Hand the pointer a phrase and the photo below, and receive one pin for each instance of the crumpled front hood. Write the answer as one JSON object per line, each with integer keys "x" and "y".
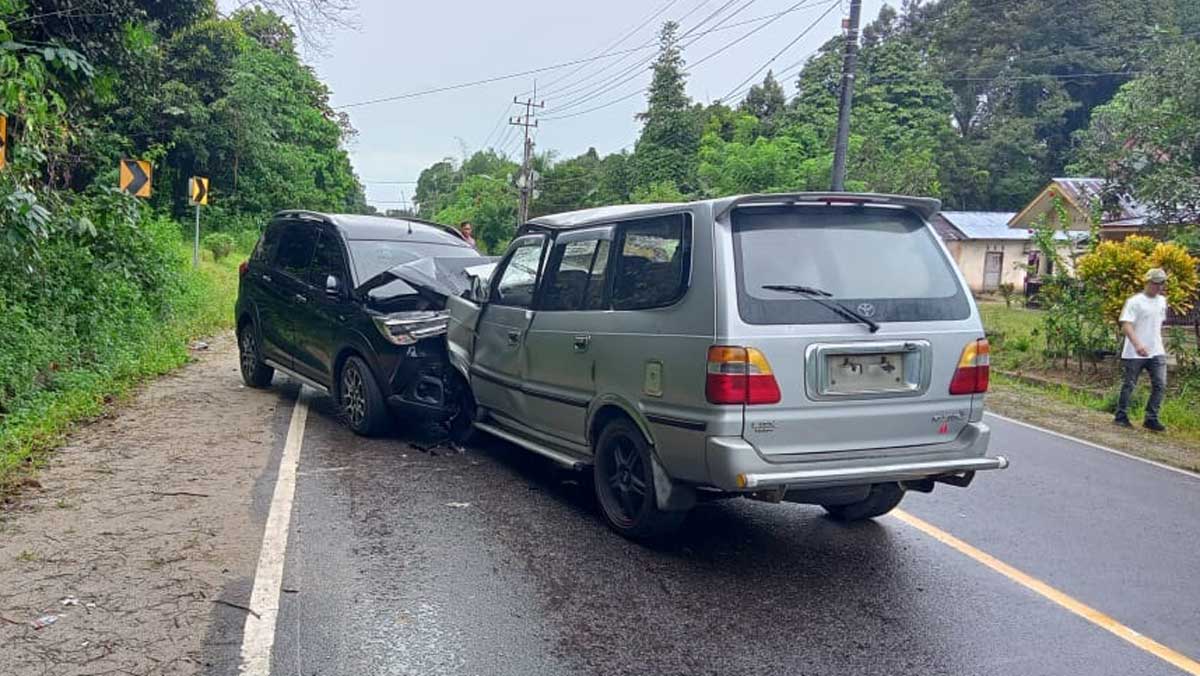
{"x": 433, "y": 277}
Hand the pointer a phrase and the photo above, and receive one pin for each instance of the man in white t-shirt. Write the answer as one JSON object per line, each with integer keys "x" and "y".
{"x": 1141, "y": 322}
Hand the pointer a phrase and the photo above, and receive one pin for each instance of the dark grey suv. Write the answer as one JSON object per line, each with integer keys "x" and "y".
{"x": 318, "y": 300}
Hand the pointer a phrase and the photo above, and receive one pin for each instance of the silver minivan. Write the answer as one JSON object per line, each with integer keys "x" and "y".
{"x": 814, "y": 348}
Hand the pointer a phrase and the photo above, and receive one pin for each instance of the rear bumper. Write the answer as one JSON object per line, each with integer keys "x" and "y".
{"x": 735, "y": 465}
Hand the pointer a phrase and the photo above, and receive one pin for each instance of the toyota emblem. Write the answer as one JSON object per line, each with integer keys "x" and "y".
{"x": 866, "y": 310}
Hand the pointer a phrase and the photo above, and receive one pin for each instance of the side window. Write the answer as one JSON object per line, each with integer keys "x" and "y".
{"x": 327, "y": 260}
{"x": 266, "y": 244}
{"x": 652, "y": 267}
{"x": 576, "y": 273}
{"x": 519, "y": 278}
{"x": 295, "y": 250}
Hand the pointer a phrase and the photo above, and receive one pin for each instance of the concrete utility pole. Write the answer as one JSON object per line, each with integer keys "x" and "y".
{"x": 525, "y": 184}
{"x": 849, "y": 64}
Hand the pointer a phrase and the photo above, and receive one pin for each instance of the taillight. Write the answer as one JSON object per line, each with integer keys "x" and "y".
{"x": 739, "y": 375}
{"x": 242, "y": 268}
{"x": 971, "y": 376}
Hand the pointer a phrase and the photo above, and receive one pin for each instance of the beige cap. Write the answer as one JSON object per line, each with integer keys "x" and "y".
{"x": 1156, "y": 275}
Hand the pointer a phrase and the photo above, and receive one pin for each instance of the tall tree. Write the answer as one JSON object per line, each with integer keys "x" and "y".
{"x": 767, "y": 102}
{"x": 666, "y": 149}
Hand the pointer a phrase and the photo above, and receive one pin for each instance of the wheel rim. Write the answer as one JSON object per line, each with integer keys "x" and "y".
{"x": 625, "y": 480}
{"x": 249, "y": 355}
{"x": 354, "y": 401}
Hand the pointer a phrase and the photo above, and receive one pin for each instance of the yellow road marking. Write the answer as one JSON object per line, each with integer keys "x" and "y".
{"x": 1035, "y": 585}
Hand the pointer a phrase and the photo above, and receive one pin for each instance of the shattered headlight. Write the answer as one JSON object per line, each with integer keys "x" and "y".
{"x": 406, "y": 328}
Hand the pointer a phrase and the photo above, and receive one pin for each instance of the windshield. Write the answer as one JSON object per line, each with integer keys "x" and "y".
{"x": 885, "y": 258}
{"x": 373, "y": 256}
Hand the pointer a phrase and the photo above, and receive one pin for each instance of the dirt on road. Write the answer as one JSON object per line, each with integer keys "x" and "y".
{"x": 139, "y": 527}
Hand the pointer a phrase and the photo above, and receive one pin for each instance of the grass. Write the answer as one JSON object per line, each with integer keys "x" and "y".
{"x": 1016, "y": 347}
{"x": 204, "y": 307}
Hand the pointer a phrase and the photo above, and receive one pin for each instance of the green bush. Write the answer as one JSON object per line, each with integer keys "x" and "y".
{"x": 220, "y": 244}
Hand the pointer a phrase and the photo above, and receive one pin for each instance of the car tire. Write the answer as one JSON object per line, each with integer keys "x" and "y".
{"x": 623, "y": 478}
{"x": 461, "y": 425}
{"x": 359, "y": 399}
{"x": 882, "y": 499}
{"x": 254, "y": 372}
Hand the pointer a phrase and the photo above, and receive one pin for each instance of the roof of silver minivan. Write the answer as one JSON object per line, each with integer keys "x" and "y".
{"x": 925, "y": 206}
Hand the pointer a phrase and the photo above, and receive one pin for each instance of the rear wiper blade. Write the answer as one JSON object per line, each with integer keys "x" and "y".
{"x": 820, "y": 297}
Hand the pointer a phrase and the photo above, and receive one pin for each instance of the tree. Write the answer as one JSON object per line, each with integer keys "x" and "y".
{"x": 767, "y": 103}
{"x": 490, "y": 204}
{"x": 435, "y": 186}
{"x": 1146, "y": 141}
{"x": 666, "y": 149}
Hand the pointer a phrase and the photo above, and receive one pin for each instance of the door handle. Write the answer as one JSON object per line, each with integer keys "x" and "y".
{"x": 581, "y": 343}
{"x": 514, "y": 337}
{"x": 300, "y": 298}
{"x": 266, "y": 278}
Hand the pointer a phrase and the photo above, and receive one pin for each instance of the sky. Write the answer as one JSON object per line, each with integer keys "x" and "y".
{"x": 401, "y": 47}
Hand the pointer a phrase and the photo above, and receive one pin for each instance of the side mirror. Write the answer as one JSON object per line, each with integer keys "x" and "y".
{"x": 333, "y": 288}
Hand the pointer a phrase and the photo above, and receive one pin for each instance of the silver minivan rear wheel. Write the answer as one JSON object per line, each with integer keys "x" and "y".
{"x": 624, "y": 482}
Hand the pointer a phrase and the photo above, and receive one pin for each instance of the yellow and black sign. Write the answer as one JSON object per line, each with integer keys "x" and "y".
{"x": 135, "y": 177}
{"x": 197, "y": 190}
{"x": 3, "y": 141}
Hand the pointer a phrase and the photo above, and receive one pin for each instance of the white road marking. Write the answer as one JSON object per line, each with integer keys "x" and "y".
{"x": 1096, "y": 446}
{"x": 258, "y": 635}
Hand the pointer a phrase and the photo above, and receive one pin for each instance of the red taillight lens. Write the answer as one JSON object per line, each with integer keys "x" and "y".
{"x": 740, "y": 375}
{"x": 974, "y": 367}
{"x": 243, "y": 267}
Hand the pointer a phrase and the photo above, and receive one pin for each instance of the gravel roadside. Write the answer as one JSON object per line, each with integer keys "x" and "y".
{"x": 137, "y": 527}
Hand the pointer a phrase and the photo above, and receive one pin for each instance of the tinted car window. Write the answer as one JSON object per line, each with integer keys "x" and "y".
{"x": 887, "y": 258}
{"x": 576, "y": 274}
{"x": 266, "y": 245}
{"x": 296, "y": 248}
{"x": 519, "y": 279}
{"x": 327, "y": 260}
{"x": 653, "y": 264}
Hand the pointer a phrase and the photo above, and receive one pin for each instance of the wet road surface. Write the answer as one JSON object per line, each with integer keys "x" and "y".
{"x": 406, "y": 561}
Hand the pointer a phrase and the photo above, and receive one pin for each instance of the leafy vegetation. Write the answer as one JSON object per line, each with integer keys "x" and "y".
{"x": 979, "y": 104}
{"x": 1117, "y": 271}
{"x": 96, "y": 287}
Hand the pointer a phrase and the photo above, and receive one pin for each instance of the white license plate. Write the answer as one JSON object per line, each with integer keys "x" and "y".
{"x": 865, "y": 373}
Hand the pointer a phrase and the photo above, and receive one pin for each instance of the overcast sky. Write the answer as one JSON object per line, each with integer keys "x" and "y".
{"x": 401, "y": 47}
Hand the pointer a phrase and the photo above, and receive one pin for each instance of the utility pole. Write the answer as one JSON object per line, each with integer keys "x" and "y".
{"x": 525, "y": 184}
{"x": 849, "y": 64}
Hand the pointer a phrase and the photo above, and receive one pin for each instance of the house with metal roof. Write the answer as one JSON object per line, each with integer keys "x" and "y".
{"x": 989, "y": 252}
{"x": 1083, "y": 198}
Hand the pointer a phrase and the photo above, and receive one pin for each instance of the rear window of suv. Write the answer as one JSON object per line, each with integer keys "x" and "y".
{"x": 862, "y": 256}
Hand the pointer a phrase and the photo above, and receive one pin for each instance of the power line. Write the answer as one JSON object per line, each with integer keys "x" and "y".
{"x": 614, "y": 45}
{"x": 583, "y": 84}
{"x": 475, "y": 83}
{"x": 636, "y": 69}
{"x": 707, "y": 57}
{"x": 786, "y": 47}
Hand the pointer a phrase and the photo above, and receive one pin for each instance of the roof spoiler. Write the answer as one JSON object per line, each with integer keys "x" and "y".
{"x": 303, "y": 214}
{"x": 926, "y": 207}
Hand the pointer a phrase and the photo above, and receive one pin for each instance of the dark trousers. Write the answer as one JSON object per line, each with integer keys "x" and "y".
{"x": 1131, "y": 369}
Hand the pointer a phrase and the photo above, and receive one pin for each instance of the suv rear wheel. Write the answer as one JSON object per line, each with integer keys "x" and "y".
{"x": 359, "y": 399}
{"x": 624, "y": 481}
{"x": 254, "y": 372}
{"x": 882, "y": 499}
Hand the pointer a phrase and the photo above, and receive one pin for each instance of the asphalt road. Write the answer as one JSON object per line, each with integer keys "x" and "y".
{"x": 406, "y": 561}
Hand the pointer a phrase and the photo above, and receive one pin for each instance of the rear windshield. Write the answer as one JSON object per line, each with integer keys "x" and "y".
{"x": 883, "y": 262}
{"x": 373, "y": 256}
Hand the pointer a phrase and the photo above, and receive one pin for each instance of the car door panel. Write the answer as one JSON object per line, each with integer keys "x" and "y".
{"x": 561, "y": 364}
{"x": 498, "y": 364}
{"x": 321, "y": 318}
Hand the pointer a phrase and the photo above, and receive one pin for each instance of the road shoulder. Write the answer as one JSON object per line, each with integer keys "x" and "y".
{"x": 142, "y": 522}
{"x": 1028, "y": 404}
